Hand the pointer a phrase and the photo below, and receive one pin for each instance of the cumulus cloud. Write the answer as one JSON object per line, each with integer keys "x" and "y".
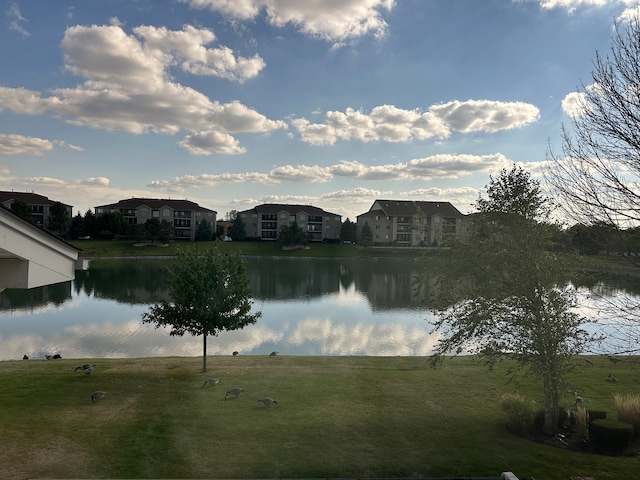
{"x": 206, "y": 143}
{"x": 335, "y": 22}
{"x": 571, "y": 5}
{"x": 12, "y": 144}
{"x": 427, "y": 168}
{"x": 127, "y": 86}
{"x": 391, "y": 124}
{"x": 357, "y": 195}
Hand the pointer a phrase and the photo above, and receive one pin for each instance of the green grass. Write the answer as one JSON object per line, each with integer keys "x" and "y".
{"x": 338, "y": 417}
{"x": 124, "y": 248}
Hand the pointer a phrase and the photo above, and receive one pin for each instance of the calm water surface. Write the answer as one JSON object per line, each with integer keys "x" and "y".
{"x": 309, "y": 307}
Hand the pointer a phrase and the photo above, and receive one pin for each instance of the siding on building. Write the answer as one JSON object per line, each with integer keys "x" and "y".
{"x": 265, "y": 221}
{"x": 183, "y": 214}
{"x": 412, "y": 223}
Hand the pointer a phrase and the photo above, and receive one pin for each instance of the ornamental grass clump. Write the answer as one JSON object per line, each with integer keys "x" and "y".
{"x": 519, "y": 412}
{"x": 580, "y": 417}
{"x": 628, "y": 407}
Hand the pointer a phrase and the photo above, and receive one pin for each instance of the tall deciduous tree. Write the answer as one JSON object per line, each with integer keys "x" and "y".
{"x": 58, "y": 219}
{"x": 596, "y": 175}
{"x": 21, "y": 209}
{"x": 504, "y": 293}
{"x": 209, "y": 293}
{"x": 292, "y": 235}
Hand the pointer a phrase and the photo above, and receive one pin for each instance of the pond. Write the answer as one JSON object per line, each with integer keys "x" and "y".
{"x": 309, "y": 307}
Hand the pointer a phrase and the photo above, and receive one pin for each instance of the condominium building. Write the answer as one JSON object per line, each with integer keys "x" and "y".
{"x": 412, "y": 223}
{"x": 264, "y": 221}
{"x": 39, "y": 205}
{"x": 183, "y": 214}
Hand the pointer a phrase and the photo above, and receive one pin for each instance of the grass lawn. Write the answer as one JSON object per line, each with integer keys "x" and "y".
{"x": 120, "y": 248}
{"x": 338, "y": 417}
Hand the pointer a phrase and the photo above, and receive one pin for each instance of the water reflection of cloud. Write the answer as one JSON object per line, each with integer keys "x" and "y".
{"x": 130, "y": 339}
{"x": 363, "y": 339}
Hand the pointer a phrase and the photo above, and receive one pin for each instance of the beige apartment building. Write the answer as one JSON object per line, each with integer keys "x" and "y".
{"x": 264, "y": 221}
{"x": 39, "y": 204}
{"x": 183, "y": 214}
{"x": 412, "y": 223}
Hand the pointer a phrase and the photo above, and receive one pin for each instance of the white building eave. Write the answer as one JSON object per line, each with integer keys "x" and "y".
{"x": 30, "y": 257}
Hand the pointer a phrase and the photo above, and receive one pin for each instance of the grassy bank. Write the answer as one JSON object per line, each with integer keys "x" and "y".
{"x": 129, "y": 248}
{"x": 338, "y": 417}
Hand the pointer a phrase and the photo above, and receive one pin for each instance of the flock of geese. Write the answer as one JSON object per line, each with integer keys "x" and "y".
{"x": 235, "y": 392}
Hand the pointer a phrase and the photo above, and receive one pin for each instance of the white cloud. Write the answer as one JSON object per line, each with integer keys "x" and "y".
{"x": 334, "y": 21}
{"x": 16, "y": 19}
{"x": 571, "y": 5}
{"x": 127, "y": 86}
{"x": 300, "y": 173}
{"x": 290, "y": 199}
{"x": 391, "y": 124}
{"x": 206, "y": 143}
{"x": 356, "y": 195}
{"x": 12, "y": 144}
{"x": 427, "y": 168}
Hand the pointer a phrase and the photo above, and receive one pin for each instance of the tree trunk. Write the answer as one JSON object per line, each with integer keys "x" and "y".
{"x": 551, "y": 401}
{"x": 204, "y": 352}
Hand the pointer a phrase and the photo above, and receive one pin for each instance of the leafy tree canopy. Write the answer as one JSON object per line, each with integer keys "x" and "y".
{"x": 503, "y": 292}
{"x": 209, "y": 293}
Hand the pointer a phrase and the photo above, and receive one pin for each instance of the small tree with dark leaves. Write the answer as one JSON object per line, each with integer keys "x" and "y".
{"x": 209, "y": 292}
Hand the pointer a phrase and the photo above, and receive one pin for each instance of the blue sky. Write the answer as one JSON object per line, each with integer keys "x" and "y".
{"x": 334, "y": 103}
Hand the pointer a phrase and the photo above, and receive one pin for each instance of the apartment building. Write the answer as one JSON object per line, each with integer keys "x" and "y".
{"x": 264, "y": 221}
{"x": 412, "y": 223}
{"x": 39, "y": 204}
{"x": 183, "y": 214}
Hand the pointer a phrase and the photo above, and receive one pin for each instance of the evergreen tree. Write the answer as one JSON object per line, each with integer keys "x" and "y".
{"x": 366, "y": 235}
{"x": 204, "y": 231}
{"x": 58, "y": 219}
{"x": 348, "y": 231}
{"x": 77, "y": 227}
{"x": 236, "y": 230}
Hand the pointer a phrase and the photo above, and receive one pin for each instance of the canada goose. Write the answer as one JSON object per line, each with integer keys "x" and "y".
{"x": 579, "y": 399}
{"x": 614, "y": 360}
{"x": 234, "y": 391}
{"x": 57, "y": 356}
{"x": 588, "y": 362}
{"x": 25, "y": 357}
{"x": 95, "y": 396}
{"x": 86, "y": 368}
{"x": 210, "y": 381}
{"x": 273, "y": 354}
{"x": 611, "y": 379}
{"x": 268, "y": 401}
{"x": 235, "y": 354}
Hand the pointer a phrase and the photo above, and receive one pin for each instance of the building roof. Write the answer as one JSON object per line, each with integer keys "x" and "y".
{"x": 273, "y": 208}
{"x": 29, "y": 198}
{"x": 155, "y": 204}
{"x": 400, "y": 208}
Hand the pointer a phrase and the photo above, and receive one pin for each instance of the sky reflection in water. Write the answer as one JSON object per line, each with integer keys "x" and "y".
{"x": 341, "y": 323}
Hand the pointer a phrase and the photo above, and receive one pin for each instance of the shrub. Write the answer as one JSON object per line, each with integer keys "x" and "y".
{"x": 538, "y": 420}
{"x": 611, "y": 437}
{"x": 628, "y": 407}
{"x": 519, "y": 412}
